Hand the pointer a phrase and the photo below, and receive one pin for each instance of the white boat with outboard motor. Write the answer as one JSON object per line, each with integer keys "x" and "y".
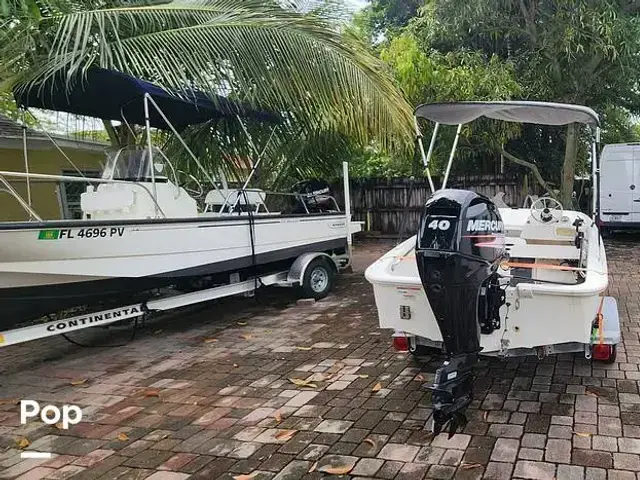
{"x": 479, "y": 279}
{"x": 141, "y": 230}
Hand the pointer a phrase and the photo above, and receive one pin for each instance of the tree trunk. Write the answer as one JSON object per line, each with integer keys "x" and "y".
{"x": 532, "y": 167}
{"x": 569, "y": 166}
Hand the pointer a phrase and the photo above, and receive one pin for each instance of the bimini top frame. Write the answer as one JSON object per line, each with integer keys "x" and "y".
{"x": 541, "y": 113}
{"x": 112, "y": 95}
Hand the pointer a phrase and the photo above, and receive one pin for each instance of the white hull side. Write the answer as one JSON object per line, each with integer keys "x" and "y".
{"x": 151, "y": 249}
{"x": 540, "y": 314}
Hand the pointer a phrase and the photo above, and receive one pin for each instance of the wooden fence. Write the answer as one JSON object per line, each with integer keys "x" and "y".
{"x": 384, "y": 204}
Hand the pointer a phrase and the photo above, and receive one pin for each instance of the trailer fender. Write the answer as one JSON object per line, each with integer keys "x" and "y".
{"x": 299, "y": 266}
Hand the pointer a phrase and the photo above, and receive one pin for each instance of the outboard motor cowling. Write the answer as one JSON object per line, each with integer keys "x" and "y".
{"x": 459, "y": 248}
{"x": 314, "y": 195}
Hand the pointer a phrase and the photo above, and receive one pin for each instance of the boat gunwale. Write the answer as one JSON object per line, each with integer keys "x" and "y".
{"x": 35, "y": 225}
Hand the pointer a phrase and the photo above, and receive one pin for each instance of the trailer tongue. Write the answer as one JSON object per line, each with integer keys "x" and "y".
{"x": 459, "y": 248}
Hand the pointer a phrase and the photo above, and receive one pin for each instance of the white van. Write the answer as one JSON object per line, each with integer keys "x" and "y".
{"x": 619, "y": 202}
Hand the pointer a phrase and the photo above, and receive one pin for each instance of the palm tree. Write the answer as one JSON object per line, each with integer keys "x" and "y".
{"x": 304, "y": 63}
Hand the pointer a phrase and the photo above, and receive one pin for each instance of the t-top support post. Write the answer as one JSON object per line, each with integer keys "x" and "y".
{"x": 450, "y": 162}
{"x": 426, "y": 157}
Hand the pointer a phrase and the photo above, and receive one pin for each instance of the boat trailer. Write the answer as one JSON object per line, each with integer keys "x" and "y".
{"x": 294, "y": 277}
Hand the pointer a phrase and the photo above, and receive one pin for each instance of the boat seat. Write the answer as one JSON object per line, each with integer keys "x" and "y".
{"x": 556, "y": 252}
{"x": 252, "y": 197}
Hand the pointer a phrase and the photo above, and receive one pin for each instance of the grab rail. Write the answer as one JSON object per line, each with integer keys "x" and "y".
{"x": 21, "y": 201}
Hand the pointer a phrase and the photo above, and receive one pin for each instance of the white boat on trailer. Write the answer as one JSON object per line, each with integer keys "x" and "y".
{"x": 478, "y": 279}
{"x": 142, "y": 231}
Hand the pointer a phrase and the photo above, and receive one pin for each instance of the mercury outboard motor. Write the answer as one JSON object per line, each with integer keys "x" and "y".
{"x": 459, "y": 248}
{"x": 314, "y": 196}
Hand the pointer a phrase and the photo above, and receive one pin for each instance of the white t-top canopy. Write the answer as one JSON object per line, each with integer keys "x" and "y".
{"x": 542, "y": 113}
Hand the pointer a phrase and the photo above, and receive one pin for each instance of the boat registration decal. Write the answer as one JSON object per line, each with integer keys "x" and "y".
{"x": 68, "y": 233}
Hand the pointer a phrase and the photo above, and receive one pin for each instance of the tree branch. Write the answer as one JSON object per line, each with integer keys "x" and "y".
{"x": 529, "y": 20}
{"x": 532, "y": 167}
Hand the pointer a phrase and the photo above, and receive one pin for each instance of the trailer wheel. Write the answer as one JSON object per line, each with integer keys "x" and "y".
{"x": 318, "y": 279}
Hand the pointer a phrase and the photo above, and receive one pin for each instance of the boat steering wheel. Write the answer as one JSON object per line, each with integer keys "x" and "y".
{"x": 546, "y": 210}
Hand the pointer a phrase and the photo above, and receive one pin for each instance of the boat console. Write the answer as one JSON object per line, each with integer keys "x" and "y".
{"x": 137, "y": 187}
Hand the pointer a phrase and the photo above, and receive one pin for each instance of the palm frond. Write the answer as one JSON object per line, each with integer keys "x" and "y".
{"x": 302, "y": 64}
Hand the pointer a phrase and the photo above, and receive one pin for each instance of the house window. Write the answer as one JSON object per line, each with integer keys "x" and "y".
{"x": 69, "y": 193}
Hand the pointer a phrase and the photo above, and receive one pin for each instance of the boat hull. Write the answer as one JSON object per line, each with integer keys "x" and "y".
{"x": 45, "y": 267}
{"x": 537, "y": 315}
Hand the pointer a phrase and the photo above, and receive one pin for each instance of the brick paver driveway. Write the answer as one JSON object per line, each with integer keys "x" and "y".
{"x": 209, "y": 394}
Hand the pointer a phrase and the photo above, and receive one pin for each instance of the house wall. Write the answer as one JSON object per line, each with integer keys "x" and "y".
{"x": 44, "y": 194}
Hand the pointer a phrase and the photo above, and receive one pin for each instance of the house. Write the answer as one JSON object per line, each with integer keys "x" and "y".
{"x": 50, "y": 200}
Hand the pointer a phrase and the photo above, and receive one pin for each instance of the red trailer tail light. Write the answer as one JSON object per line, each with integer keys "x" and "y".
{"x": 601, "y": 352}
{"x": 401, "y": 343}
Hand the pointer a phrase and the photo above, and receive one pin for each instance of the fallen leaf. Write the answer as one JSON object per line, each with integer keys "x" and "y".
{"x": 582, "y": 434}
{"x": 469, "y": 466}
{"x": 370, "y": 442}
{"x": 420, "y": 378}
{"x": 242, "y": 324}
{"x": 285, "y": 435}
{"x": 302, "y": 383}
{"x": 235, "y": 365}
{"x": 313, "y": 468}
{"x": 485, "y": 415}
{"x": 246, "y": 337}
{"x": 23, "y": 443}
{"x": 245, "y": 477}
{"x": 377, "y": 387}
{"x": 59, "y": 426}
{"x": 277, "y": 416}
{"x": 123, "y": 437}
{"x": 210, "y": 340}
{"x": 151, "y": 393}
{"x": 79, "y": 381}
{"x": 363, "y": 376}
{"x": 592, "y": 393}
{"x": 9, "y": 401}
{"x": 306, "y": 349}
{"x": 157, "y": 332}
{"x": 339, "y": 470}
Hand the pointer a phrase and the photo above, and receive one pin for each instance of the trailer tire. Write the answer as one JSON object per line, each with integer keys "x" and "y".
{"x": 318, "y": 279}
